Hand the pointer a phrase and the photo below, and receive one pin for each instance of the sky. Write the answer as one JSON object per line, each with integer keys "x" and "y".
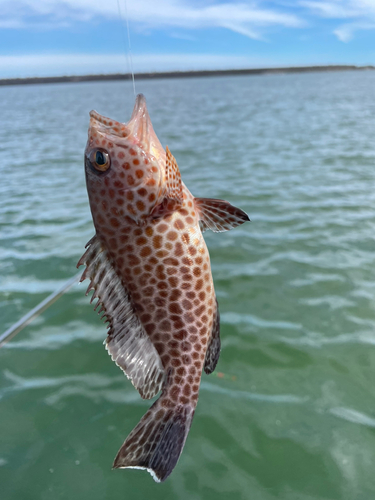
{"x": 72, "y": 37}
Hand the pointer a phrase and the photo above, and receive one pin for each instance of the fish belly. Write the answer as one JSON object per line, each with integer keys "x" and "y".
{"x": 165, "y": 266}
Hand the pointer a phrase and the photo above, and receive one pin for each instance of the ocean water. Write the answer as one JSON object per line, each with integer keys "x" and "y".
{"x": 289, "y": 413}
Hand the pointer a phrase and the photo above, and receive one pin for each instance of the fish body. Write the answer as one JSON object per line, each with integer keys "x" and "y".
{"x": 149, "y": 267}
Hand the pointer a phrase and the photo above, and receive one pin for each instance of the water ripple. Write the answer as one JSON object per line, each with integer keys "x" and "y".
{"x": 353, "y": 416}
{"x": 265, "y": 398}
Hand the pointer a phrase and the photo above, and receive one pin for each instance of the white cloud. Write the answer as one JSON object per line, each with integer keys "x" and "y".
{"x": 242, "y": 17}
{"x": 346, "y": 32}
{"x": 83, "y": 64}
{"x": 250, "y": 18}
{"x": 332, "y": 9}
{"x": 362, "y": 12}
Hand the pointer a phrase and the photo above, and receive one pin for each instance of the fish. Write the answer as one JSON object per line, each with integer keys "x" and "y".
{"x": 149, "y": 269}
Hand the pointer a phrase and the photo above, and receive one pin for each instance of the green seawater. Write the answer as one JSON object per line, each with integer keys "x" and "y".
{"x": 290, "y": 411}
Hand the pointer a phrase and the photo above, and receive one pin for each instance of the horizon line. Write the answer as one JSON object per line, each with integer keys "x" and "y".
{"x": 180, "y": 74}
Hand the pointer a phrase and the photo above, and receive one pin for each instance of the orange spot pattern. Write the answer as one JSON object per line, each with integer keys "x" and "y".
{"x": 165, "y": 269}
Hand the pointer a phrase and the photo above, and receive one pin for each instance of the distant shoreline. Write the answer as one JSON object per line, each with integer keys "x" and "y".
{"x": 179, "y": 74}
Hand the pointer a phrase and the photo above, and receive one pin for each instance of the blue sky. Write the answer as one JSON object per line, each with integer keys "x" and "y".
{"x": 50, "y": 37}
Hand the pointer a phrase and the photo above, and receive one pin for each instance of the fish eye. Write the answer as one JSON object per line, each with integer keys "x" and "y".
{"x": 100, "y": 160}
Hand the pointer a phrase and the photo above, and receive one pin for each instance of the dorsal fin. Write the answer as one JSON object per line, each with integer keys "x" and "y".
{"x": 219, "y": 215}
{"x": 128, "y": 343}
{"x": 173, "y": 180}
{"x": 214, "y": 344}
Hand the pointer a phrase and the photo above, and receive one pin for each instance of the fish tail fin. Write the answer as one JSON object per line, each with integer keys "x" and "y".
{"x": 156, "y": 443}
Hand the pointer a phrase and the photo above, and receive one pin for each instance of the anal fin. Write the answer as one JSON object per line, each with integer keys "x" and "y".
{"x": 214, "y": 344}
{"x": 128, "y": 343}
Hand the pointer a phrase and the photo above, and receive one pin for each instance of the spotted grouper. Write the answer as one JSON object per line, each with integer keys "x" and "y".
{"x": 149, "y": 267}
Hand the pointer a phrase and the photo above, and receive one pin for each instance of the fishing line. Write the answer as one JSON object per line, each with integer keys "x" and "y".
{"x": 127, "y": 49}
{"x": 17, "y": 327}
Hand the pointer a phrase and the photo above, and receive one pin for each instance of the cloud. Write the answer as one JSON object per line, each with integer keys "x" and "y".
{"x": 81, "y": 64}
{"x": 345, "y": 33}
{"x": 245, "y": 18}
{"x": 332, "y": 9}
{"x": 183, "y": 18}
{"x": 362, "y": 12}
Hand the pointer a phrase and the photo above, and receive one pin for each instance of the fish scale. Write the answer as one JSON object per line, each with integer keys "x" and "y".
{"x": 150, "y": 268}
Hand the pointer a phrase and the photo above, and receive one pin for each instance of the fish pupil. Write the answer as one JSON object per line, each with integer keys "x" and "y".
{"x": 100, "y": 158}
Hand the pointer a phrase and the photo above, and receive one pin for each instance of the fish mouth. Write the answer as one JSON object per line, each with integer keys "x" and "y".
{"x": 140, "y": 124}
{"x": 106, "y": 125}
{"x": 139, "y": 128}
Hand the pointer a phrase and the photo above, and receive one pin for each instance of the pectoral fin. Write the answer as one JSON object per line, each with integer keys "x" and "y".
{"x": 219, "y": 215}
{"x": 128, "y": 343}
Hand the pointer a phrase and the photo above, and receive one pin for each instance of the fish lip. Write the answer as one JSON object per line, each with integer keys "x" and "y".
{"x": 140, "y": 107}
{"x": 140, "y": 123}
{"x": 140, "y": 127}
{"x": 107, "y": 125}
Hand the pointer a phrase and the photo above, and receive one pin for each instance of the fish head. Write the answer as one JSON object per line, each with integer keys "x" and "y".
{"x": 124, "y": 165}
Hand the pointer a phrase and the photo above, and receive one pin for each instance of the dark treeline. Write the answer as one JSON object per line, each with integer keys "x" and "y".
{"x": 179, "y": 74}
